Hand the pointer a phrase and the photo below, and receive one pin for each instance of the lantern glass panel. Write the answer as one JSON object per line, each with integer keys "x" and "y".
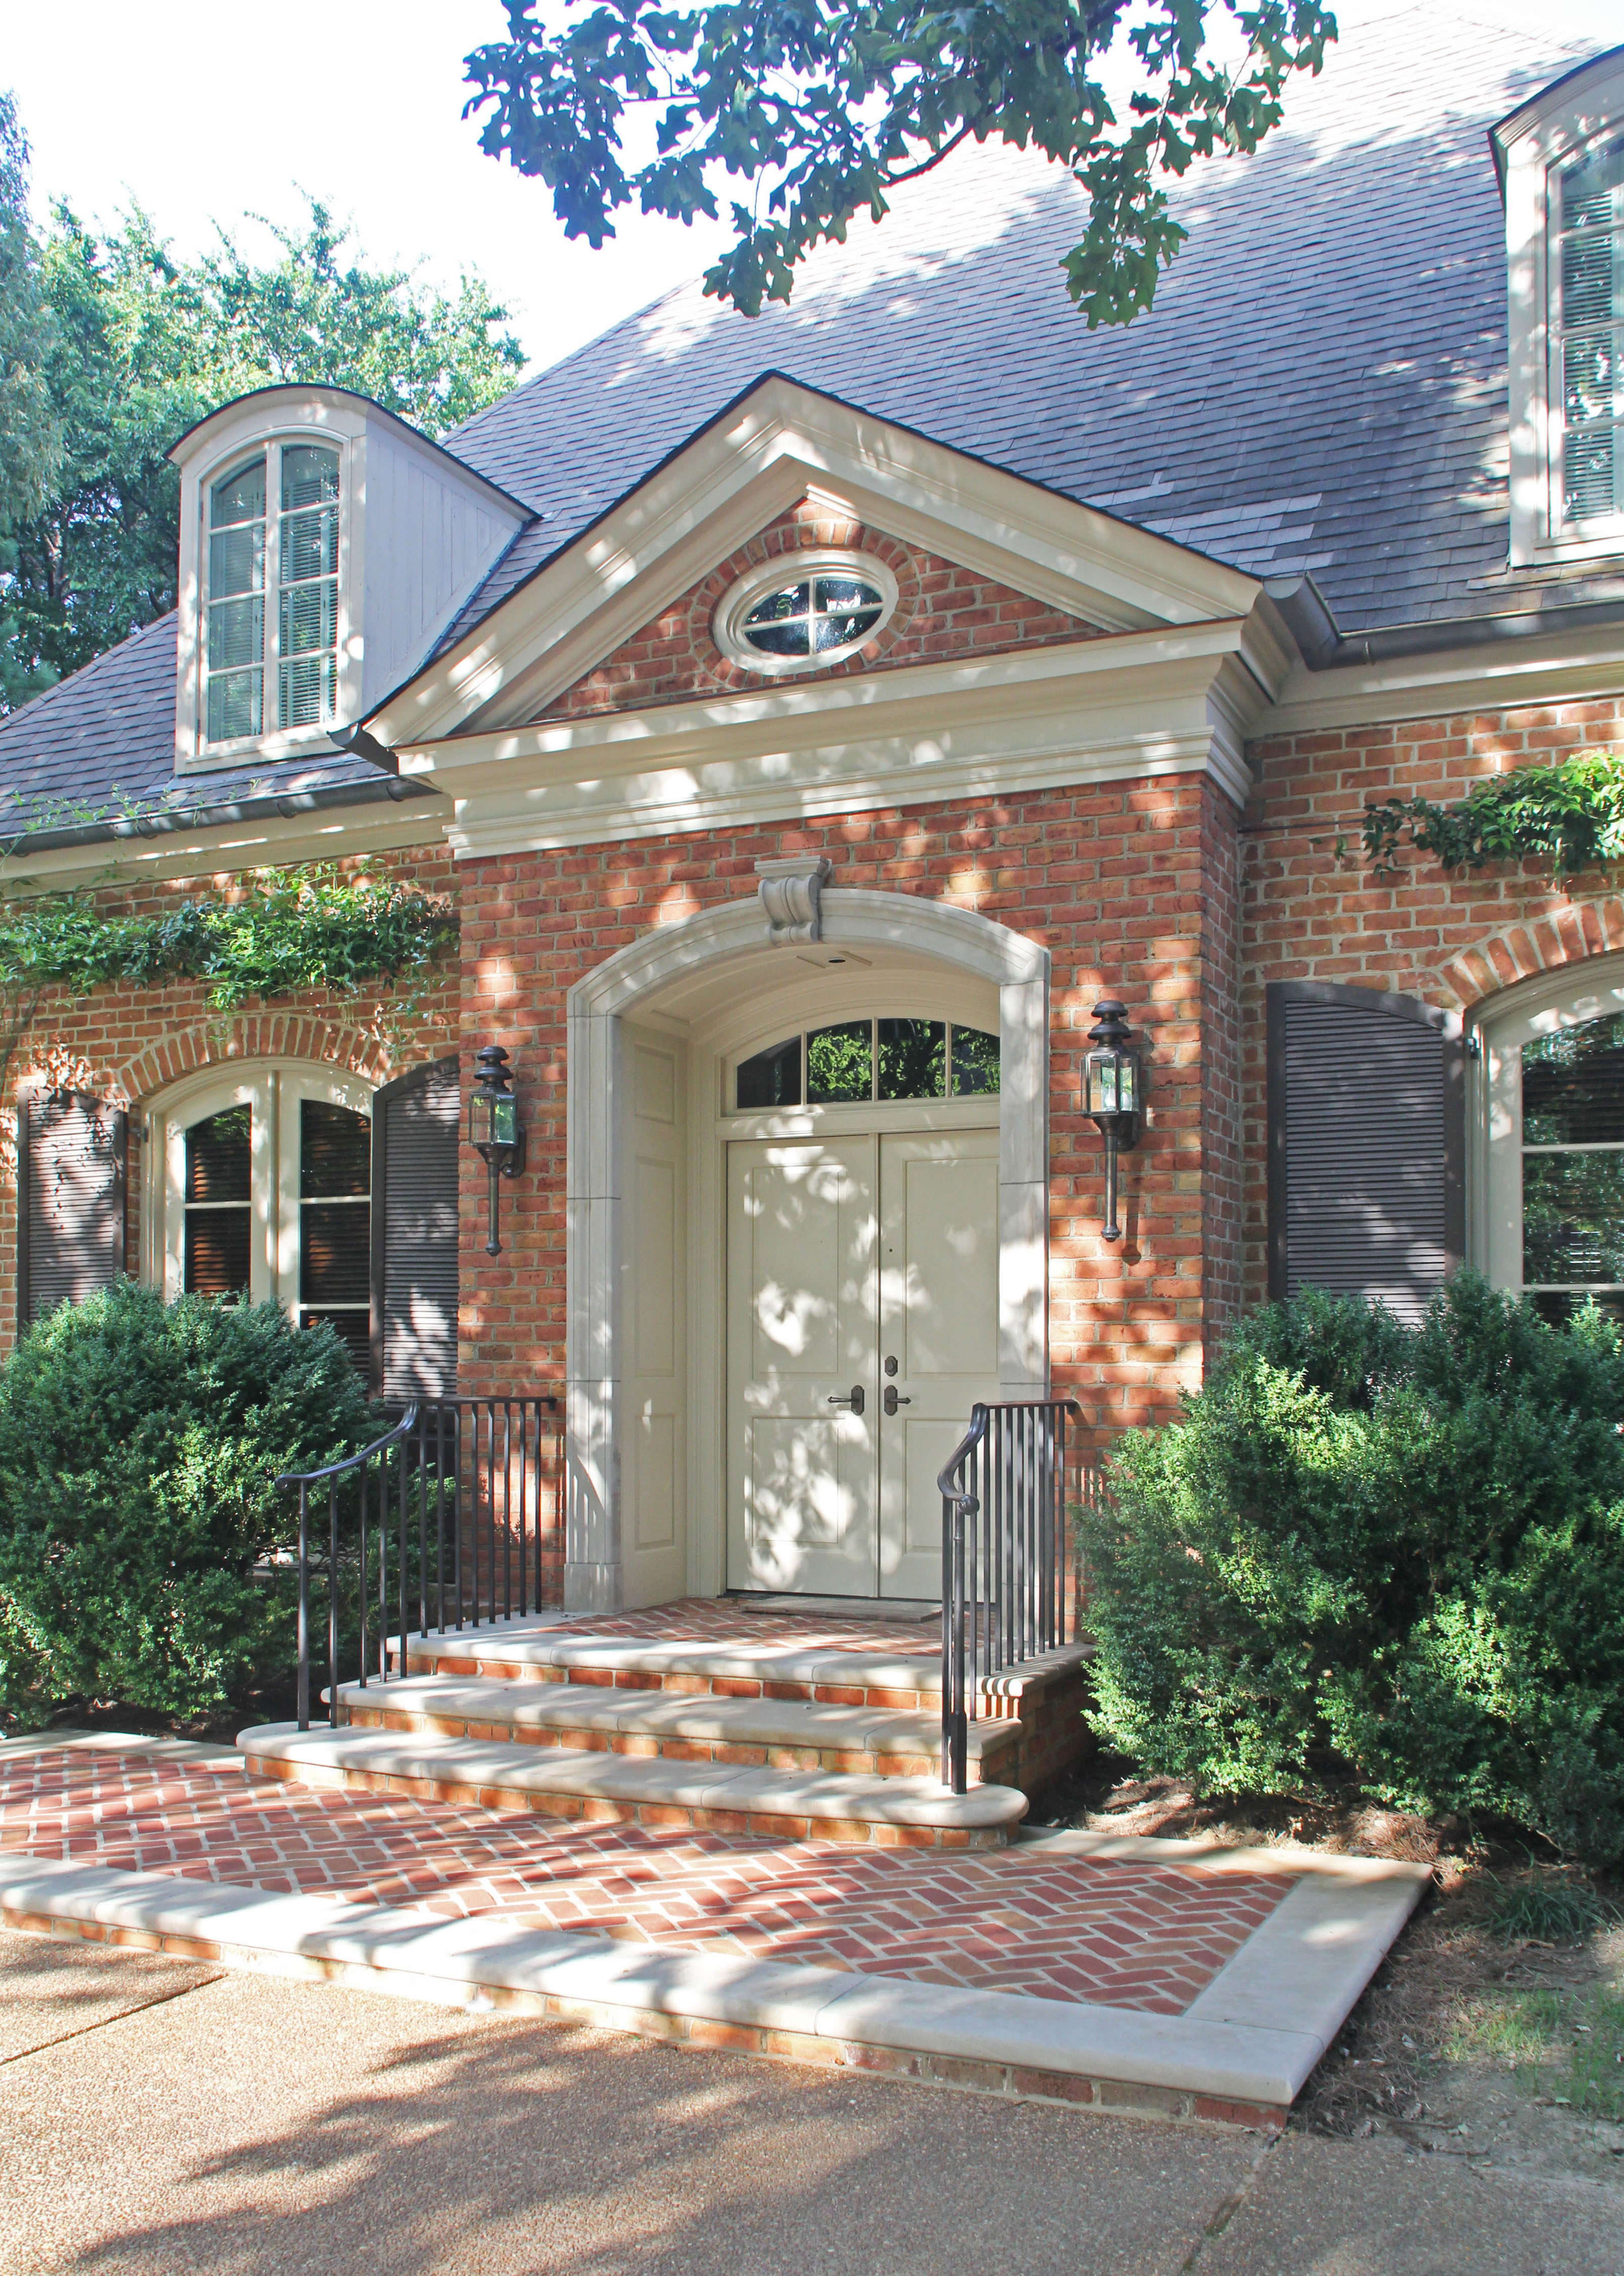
{"x": 504, "y": 1120}
{"x": 479, "y": 1119}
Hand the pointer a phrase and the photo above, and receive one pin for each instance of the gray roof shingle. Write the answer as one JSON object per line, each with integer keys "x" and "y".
{"x": 1325, "y": 361}
{"x": 1320, "y": 387}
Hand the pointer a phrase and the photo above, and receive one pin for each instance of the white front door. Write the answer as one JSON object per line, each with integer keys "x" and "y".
{"x": 938, "y": 1333}
{"x": 863, "y": 1277}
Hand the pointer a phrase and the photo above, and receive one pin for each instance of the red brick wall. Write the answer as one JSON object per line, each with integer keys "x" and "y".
{"x": 1108, "y": 878}
{"x": 1452, "y": 939}
{"x": 126, "y": 1043}
{"x": 943, "y": 611}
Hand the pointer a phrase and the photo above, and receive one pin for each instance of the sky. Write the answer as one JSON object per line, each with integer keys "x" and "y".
{"x": 207, "y": 113}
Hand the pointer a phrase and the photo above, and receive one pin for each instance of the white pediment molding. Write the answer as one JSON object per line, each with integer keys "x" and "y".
{"x": 739, "y": 474}
{"x": 1137, "y": 706}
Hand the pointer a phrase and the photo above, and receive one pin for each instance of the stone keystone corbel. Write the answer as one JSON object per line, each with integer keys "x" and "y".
{"x": 791, "y": 894}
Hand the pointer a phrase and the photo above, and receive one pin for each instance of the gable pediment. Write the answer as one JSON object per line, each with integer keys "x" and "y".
{"x": 739, "y": 478}
{"x": 943, "y": 611}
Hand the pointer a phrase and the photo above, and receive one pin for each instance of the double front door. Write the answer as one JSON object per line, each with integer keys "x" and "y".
{"x": 862, "y": 1324}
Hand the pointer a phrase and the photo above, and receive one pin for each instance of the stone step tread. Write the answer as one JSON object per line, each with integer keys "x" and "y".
{"x": 537, "y": 1772}
{"x": 513, "y": 1643}
{"x": 670, "y": 1714}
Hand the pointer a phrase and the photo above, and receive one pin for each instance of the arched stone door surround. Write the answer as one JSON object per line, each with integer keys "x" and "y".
{"x": 628, "y": 985}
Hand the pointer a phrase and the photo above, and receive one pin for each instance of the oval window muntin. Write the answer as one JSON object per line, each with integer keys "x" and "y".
{"x": 791, "y": 570}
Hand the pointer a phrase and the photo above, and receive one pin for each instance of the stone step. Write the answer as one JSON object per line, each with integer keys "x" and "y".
{"x": 534, "y": 1650}
{"x": 639, "y": 1789}
{"x": 779, "y": 1734}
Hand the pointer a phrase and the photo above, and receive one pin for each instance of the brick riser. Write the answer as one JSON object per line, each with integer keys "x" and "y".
{"x": 663, "y": 1816}
{"x": 982, "y": 1770}
{"x": 994, "y": 1708}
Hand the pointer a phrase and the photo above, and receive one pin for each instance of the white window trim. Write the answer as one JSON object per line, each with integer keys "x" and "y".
{"x": 1534, "y": 145}
{"x": 272, "y": 1091}
{"x": 342, "y": 427}
{"x": 789, "y": 569}
{"x": 1593, "y": 990}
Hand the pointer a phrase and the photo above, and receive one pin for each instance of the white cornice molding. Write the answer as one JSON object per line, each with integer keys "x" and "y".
{"x": 742, "y": 472}
{"x": 1561, "y": 667}
{"x": 1074, "y": 674}
{"x": 1153, "y": 703}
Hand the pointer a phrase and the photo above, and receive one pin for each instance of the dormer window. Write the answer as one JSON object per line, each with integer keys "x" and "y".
{"x": 272, "y": 670}
{"x": 1561, "y": 160}
{"x": 1588, "y": 329}
{"x": 274, "y": 657}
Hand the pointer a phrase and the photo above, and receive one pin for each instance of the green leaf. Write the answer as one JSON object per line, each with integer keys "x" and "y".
{"x": 819, "y": 109}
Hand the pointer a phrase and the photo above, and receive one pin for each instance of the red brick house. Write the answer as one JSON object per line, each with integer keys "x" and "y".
{"x": 812, "y": 721}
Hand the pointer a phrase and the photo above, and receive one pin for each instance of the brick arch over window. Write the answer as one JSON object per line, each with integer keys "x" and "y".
{"x": 260, "y": 1036}
{"x": 1521, "y": 952}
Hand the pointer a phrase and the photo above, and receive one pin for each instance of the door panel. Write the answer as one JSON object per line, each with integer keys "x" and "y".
{"x": 654, "y": 1478}
{"x": 939, "y": 1322}
{"x": 801, "y": 1311}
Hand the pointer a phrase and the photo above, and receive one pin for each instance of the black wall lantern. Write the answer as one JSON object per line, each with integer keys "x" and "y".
{"x": 1113, "y": 1094}
{"x": 494, "y": 1127}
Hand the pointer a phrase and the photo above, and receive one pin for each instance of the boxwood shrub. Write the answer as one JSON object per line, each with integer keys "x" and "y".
{"x": 1385, "y": 1553}
{"x": 139, "y": 1442}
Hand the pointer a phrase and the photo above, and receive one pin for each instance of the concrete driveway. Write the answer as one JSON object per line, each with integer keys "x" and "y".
{"x": 159, "y": 2117}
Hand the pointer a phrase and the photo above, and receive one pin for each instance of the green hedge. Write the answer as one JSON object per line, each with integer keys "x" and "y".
{"x": 138, "y": 1445}
{"x": 1392, "y": 1553}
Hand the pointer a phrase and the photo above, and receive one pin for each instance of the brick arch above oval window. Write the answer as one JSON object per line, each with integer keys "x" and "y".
{"x": 945, "y": 610}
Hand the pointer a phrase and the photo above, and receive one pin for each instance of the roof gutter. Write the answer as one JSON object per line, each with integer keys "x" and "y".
{"x": 1325, "y": 648}
{"x": 285, "y": 805}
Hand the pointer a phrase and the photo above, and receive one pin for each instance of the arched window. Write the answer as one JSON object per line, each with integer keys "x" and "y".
{"x": 271, "y": 594}
{"x": 1552, "y": 1126}
{"x": 265, "y": 1190}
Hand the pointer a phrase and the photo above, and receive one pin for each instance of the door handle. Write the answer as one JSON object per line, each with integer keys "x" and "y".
{"x": 853, "y": 1400}
{"x": 893, "y": 1400}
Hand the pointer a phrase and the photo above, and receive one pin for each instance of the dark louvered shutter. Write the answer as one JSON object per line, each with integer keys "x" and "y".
{"x": 1366, "y": 1138}
{"x": 69, "y": 1199}
{"x": 415, "y": 1128}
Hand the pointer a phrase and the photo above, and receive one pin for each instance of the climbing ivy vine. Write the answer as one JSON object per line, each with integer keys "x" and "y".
{"x": 1571, "y": 816}
{"x": 286, "y": 932}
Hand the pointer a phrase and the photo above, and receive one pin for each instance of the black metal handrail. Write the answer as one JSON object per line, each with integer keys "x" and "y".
{"x": 466, "y": 1493}
{"x": 1004, "y": 1569}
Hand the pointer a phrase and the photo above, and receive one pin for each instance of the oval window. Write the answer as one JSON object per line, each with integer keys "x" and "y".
{"x": 795, "y": 618}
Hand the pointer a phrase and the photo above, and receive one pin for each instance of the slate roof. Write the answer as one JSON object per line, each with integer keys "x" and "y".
{"x": 100, "y": 746}
{"x": 1320, "y": 388}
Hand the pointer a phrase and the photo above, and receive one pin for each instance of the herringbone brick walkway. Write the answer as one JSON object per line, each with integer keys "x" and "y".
{"x": 1148, "y": 1937}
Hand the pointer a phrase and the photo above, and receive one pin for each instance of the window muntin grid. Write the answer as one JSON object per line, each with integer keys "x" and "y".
{"x": 868, "y": 1062}
{"x": 292, "y": 648}
{"x": 1589, "y": 335}
{"x": 818, "y": 617}
{"x": 805, "y": 612}
{"x": 1572, "y": 1166}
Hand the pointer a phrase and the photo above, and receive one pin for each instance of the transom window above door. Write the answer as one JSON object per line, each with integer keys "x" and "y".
{"x": 271, "y": 594}
{"x": 804, "y": 610}
{"x": 869, "y": 1061}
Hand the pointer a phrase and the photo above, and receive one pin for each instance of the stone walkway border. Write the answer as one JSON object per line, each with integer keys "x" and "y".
{"x": 1237, "y": 2056}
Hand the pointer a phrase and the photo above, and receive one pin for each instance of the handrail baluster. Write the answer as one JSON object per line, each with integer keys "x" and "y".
{"x": 1004, "y": 1568}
